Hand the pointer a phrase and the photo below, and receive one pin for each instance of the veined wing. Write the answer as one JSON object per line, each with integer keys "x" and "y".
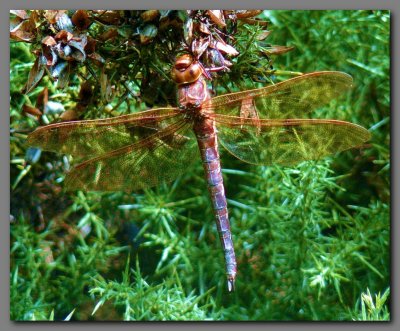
{"x": 162, "y": 156}
{"x": 286, "y": 141}
{"x": 90, "y": 138}
{"x": 293, "y": 98}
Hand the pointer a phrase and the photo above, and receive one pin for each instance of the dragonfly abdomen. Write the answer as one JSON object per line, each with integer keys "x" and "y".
{"x": 208, "y": 145}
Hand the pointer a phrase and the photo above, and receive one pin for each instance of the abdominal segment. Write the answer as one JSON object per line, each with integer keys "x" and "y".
{"x": 211, "y": 163}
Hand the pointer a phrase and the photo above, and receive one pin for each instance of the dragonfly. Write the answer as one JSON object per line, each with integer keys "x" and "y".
{"x": 262, "y": 126}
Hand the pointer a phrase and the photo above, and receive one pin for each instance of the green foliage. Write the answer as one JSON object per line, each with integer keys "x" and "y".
{"x": 140, "y": 301}
{"x": 373, "y": 311}
{"x": 312, "y": 241}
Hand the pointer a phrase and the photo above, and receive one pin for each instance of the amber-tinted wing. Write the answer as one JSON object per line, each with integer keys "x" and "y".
{"x": 287, "y": 142}
{"x": 159, "y": 157}
{"x": 124, "y": 153}
{"x": 293, "y": 98}
{"x": 90, "y": 138}
{"x": 269, "y": 126}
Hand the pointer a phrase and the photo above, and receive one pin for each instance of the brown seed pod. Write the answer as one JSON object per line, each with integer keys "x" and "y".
{"x": 22, "y": 30}
{"x": 255, "y": 21}
{"x": 217, "y": 17}
{"x": 277, "y": 50}
{"x": 224, "y": 48}
{"x": 53, "y": 16}
{"x": 81, "y": 19}
{"x": 63, "y": 36}
{"x": 203, "y": 28}
{"x": 150, "y": 15}
{"x": 199, "y": 46}
{"x": 48, "y": 41}
{"x": 90, "y": 46}
{"x": 110, "y": 17}
{"x": 27, "y": 109}
{"x": 247, "y": 13}
{"x": 42, "y": 99}
{"x": 20, "y": 13}
{"x": 263, "y": 34}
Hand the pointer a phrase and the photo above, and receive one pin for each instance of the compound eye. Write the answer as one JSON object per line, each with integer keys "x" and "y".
{"x": 183, "y": 62}
{"x": 186, "y": 70}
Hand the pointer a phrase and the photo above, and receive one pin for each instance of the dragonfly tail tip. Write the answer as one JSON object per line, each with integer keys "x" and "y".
{"x": 231, "y": 285}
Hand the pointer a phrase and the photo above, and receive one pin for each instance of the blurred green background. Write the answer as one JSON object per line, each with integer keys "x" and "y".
{"x": 312, "y": 241}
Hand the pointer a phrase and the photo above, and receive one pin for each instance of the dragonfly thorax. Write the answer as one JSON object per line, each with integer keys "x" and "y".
{"x": 193, "y": 95}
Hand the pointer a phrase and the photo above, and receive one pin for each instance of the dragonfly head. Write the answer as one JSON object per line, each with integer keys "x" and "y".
{"x": 186, "y": 70}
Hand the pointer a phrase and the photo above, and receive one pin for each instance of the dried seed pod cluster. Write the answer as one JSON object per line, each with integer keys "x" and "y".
{"x": 59, "y": 42}
{"x": 211, "y": 36}
{"x": 127, "y": 55}
{"x": 207, "y": 39}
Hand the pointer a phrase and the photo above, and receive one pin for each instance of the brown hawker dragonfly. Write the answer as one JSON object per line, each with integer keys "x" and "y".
{"x": 262, "y": 126}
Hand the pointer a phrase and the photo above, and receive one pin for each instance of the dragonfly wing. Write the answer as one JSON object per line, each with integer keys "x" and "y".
{"x": 287, "y": 141}
{"x": 162, "y": 156}
{"x": 293, "y": 98}
{"x": 90, "y": 138}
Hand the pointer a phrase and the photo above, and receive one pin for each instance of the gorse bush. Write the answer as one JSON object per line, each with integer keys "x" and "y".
{"x": 312, "y": 241}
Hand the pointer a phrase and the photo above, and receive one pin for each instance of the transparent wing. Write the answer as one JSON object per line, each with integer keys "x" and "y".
{"x": 287, "y": 142}
{"x": 90, "y": 138}
{"x": 162, "y": 156}
{"x": 293, "y": 98}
